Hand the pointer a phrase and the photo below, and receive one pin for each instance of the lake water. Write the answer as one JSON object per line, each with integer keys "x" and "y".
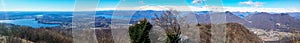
{"x": 28, "y": 22}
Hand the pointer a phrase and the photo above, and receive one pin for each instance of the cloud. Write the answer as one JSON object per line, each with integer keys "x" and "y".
{"x": 141, "y": 2}
{"x": 277, "y": 10}
{"x": 197, "y": 1}
{"x": 251, "y": 3}
{"x": 246, "y": 3}
{"x": 159, "y": 8}
{"x": 193, "y": 8}
{"x": 258, "y": 4}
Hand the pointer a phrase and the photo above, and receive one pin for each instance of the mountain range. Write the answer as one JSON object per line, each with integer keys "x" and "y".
{"x": 238, "y": 24}
{"x": 261, "y": 20}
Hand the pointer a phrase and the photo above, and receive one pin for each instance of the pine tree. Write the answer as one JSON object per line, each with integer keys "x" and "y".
{"x": 139, "y": 33}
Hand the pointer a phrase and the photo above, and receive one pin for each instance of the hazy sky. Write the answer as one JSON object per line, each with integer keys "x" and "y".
{"x": 69, "y": 4}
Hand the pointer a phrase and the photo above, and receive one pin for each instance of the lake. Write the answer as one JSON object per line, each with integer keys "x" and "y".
{"x": 28, "y": 22}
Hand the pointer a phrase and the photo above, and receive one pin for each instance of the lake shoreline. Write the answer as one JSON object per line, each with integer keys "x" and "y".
{"x": 28, "y": 22}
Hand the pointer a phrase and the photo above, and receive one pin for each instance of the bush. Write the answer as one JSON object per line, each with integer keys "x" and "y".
{"x": 139, "y": 33}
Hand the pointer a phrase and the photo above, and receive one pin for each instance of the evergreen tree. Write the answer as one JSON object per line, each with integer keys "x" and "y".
{"x": 139, "y": 33}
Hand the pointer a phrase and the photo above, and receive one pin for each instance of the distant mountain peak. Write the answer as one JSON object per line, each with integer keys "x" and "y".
{"x": 235, "y": 33}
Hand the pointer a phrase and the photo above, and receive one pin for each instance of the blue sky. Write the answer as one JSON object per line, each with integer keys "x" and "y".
{"x": 69, "y": 4}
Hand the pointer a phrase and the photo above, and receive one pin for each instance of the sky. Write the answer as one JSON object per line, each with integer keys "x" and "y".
{"x": 68, "y": 5}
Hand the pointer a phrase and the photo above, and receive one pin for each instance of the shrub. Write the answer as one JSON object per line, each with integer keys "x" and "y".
{"x": 139, "y": 33}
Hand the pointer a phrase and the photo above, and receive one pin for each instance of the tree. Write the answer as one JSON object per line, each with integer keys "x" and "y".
{"x": 295, "y": 36}
{"x": 139, "y": 33}
{"x": 168, "y": 21}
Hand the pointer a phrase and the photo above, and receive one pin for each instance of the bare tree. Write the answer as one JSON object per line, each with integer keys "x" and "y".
{"x": 169, "y": 23}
